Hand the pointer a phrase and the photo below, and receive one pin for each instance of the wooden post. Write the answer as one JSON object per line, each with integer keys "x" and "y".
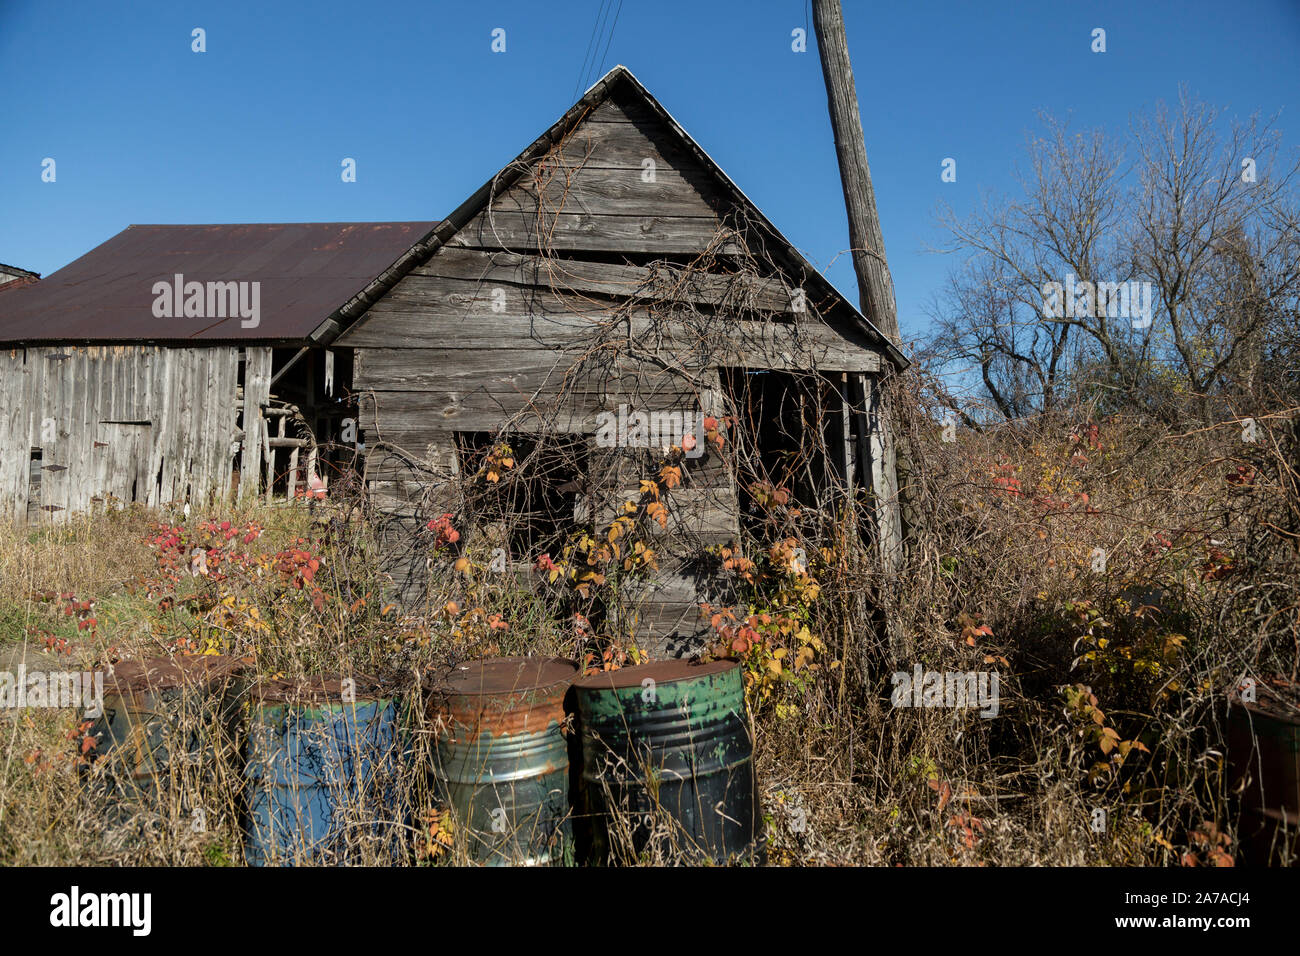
{"x": 875, "y": 288}
{"x": 884, "y": 476}
{"x": 293, "y": 474}
{"x": 846, "y": 425}
{"x": 270, "y": 458}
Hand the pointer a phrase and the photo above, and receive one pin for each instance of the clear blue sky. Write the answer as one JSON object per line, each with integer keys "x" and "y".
{"x": 144, "y": 130}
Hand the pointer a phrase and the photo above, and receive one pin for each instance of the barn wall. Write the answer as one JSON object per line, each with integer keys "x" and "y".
{"x": 511, "y": 325}
{"x": 84, "y": 427}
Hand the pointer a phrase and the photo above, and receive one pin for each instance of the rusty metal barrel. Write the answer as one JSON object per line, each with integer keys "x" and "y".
{"x": 163, "y": 719}
{"x": 668, "y": 763}
{"x": 501, "y": 759}
{"x": 1264, "y": 766}
{"x": 322, "y": 763}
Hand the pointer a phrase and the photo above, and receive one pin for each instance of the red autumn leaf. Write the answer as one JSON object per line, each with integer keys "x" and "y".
{"x": 945, "y": 794}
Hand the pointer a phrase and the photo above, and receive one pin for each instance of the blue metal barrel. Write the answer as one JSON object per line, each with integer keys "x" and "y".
{"x": 322, "y": 764}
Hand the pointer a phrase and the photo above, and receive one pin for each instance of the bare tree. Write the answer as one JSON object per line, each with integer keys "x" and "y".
{"x": 1206, "y": 211}
{"x": 1180, "y": 269}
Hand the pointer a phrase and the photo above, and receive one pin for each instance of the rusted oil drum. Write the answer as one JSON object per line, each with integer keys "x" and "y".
{"x": 1264, "y": 766}
{"x": 322, "y": 763}
{"x": 668, "y": 763}
{"x": 501, "y": 759}
{"x": 164, "y": 718}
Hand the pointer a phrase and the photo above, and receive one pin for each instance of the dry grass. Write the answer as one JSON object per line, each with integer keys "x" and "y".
{"x": 1197, "y": 588}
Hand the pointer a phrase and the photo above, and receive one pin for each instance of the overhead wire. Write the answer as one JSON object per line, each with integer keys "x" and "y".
{"x": 593, "y": 43}
{"x": 604, "y": 56}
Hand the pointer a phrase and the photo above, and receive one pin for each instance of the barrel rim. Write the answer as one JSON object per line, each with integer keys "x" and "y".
{"x": 155, "y": 674}
{"x": 1276, "y": 699}
{"x": 667, "y": 671}
{"x": 317, "y": 689}
{"x": 497, "y": 685}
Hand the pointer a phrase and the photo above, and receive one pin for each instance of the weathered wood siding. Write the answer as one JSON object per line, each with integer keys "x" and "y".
{"x": 116, "y": 424}
{"x": 522, "y": 321}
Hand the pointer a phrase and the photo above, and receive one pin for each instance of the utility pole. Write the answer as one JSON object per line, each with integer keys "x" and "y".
{"x": 875, "y": 289}
{"x": 875, "y": 295}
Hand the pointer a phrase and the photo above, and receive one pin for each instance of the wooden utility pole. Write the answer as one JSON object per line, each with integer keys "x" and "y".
{"x": 875, "y": 290}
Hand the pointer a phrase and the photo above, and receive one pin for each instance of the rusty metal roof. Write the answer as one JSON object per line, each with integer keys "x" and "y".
{"x": 306, "y": 271}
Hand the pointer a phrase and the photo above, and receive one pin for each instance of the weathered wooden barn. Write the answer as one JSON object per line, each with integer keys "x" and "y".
{"x": 103, "y": 400}
{"x": 610, "y": 270}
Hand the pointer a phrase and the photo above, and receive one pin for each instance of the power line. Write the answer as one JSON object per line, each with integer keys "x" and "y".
{"x": 587, "y": 56}
{"x": 592, "y": 43}
{"x": 604, "y": 56}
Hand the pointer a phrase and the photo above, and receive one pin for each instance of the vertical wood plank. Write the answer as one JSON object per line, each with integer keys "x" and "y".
{"x": 257, "y": 392}
{"x": 165, "y": 382}
{"x": 33, "y": 389}
{"x": 849, "y": 452}
{"x": 13, "y": 433}
{"x": 884, "y": 485}
{"x": 56, "y": 432}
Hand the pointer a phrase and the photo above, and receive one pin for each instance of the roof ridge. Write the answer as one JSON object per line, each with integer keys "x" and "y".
{"x": 505, "y": 177}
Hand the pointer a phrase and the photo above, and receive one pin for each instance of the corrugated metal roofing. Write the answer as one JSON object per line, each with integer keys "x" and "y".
{"x": 306, "y": 271}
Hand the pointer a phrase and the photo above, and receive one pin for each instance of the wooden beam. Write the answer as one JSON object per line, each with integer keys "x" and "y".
{"x": 884, "y": 487}
{"x": 846, "y": 425}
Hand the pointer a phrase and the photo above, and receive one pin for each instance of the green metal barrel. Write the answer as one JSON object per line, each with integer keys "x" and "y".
{"x": 165, "y": 722}
{"x": 501, "y": 760}
{"x": 668, "y": 763}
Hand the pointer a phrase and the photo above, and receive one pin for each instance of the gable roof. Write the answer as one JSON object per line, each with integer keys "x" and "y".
{"x": 619, "y": 77}
{"x": 305, "y": 270}
{"x": 323, "y": 277}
